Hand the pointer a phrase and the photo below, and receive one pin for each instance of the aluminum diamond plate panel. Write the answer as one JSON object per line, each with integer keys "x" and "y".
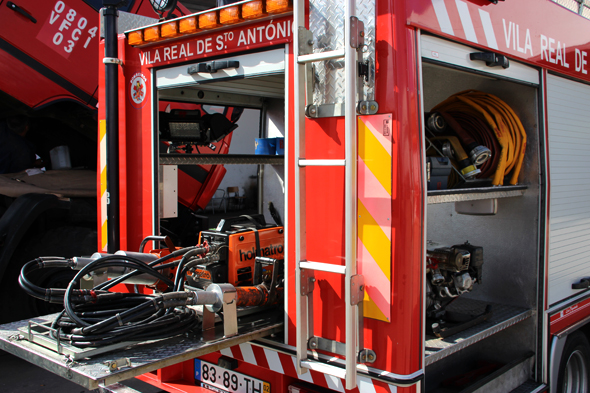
{"x": 326, "y": 21}
{"x": 503, "y": 316}
{"x": 472, "y": 194}
{"x": 219, "y": 159}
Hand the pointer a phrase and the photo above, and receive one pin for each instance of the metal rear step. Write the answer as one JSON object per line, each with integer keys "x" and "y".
{"x": 125, "y": 363}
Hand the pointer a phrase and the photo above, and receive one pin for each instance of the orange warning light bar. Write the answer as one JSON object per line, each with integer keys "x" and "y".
{"x": 135, "y": 37}
{"x": 208, "y": 20}
{"x": 151, "y": 34}
{"x": 253, "y": 9}
{"x": 188, "y": 25}
{"x": 170, "y": 29}
{"x": 278, "y": 6}
{"x": 230, "y": 15}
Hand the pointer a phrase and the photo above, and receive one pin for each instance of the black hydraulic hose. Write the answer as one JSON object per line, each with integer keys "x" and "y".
{"x": 118, "y": 280}
{"x": 155, "y": 326}
{"x": 185, "y": 258}
{"x": 185, "y": 270}
{"x": 95, "y": 317}
{"x": 178, "y": 324}
{"x": 99, "y": 263}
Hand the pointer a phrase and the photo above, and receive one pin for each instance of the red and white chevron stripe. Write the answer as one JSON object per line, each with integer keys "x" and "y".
{"x": 285, "y": 364}
{"x": 447, "y": 10}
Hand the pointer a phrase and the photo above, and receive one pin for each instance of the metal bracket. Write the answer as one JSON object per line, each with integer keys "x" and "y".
{"x": 118, "y": 363}
{"x": 357, "y": 289}
{"x": 97, "y": 277}
{"x": 367, "y": 71}
{"x": 227, "y": 300}
{"x": 112, "y": 60}
{"x": 367, "y": 107}
{"x": 305, "y": 41}
{"x": 325, "y": 110}
{"x": 230, "y": 314}
{"x": 307, "y": 281}
{"x": 357, "y": 32}
{"x": 324, "y": 344}
{"x": 367, "y": 356}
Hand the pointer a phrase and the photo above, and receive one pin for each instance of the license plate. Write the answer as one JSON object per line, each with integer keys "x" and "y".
{"x": 222, "y": 380}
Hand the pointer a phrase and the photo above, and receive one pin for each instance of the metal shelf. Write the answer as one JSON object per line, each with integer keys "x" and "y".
{"x": 219, "y": 159}
{"x": 143, "y": 357}
{"x": 472, "y": 194}
{"x": 503, "y": 316}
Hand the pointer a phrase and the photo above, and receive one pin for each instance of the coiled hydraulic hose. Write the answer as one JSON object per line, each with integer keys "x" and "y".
{"x": 501, "y": 120}
{"x": 98, "y": 317}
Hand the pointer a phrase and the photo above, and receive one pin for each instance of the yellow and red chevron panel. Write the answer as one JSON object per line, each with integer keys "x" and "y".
{"x": 374, "y": 213}
{"x": 103, "y": 184}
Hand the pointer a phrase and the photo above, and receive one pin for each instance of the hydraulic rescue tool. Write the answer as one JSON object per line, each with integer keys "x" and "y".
{"x": 169, "y": 291}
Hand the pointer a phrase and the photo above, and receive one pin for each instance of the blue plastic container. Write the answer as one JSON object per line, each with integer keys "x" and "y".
{"x": 280, "y": 146}
{"x": 264, "y": 146}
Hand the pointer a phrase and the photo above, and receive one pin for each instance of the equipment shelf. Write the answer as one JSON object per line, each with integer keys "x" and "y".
{"x": 503, "y": 316}
{"x": 472, "y": 194}
{"x": 134, "y": 360}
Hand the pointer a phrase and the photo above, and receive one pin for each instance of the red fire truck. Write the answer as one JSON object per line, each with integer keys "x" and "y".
{"x": 431, "y": 222}
{"x": 49, "y": 68}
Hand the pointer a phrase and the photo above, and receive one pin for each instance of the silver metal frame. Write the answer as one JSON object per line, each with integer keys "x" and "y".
{"x": 426, "y": 200}
{"x": 304, "y": 269}
{"x": 145, "y": 357}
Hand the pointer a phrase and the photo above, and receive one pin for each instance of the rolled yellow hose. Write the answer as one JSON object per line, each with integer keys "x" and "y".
{"x": 503, "y": 121}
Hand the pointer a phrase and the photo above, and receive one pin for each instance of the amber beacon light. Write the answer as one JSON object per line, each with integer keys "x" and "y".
{"x": 206, "y": 20}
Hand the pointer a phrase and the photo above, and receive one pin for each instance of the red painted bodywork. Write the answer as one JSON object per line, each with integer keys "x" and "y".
{"x": 399, "y": 342}
{"x": 64, "y": 37}
{"x": 569, "y": 316}
{"x": 531, "y": 31}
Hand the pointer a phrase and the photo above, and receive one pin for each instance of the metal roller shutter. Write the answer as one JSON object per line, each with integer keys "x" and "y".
{"x": 569, "y": 202}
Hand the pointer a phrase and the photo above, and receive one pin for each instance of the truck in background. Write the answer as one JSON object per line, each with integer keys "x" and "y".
{"x": 49, "y": 84}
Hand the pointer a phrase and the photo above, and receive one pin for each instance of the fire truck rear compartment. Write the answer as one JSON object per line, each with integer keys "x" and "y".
{"x": 504, "y": 221}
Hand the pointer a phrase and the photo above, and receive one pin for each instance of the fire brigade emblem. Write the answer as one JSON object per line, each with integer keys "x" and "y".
{"x": 138, "y": 89}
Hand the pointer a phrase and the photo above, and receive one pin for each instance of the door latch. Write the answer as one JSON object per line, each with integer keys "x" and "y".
{"x": 212, "y": 67}
{"x": 584, "y": 283}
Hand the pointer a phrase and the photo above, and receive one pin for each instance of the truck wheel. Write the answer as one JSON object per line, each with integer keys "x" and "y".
{"x": 61, "y": 241}
{"x": 574, "y": 366}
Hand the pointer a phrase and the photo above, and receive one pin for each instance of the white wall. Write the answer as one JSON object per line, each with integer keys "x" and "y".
{"x": 245, "y": 176}
{"x": 274, "y": 175}
{"x": 242, "y": 142}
